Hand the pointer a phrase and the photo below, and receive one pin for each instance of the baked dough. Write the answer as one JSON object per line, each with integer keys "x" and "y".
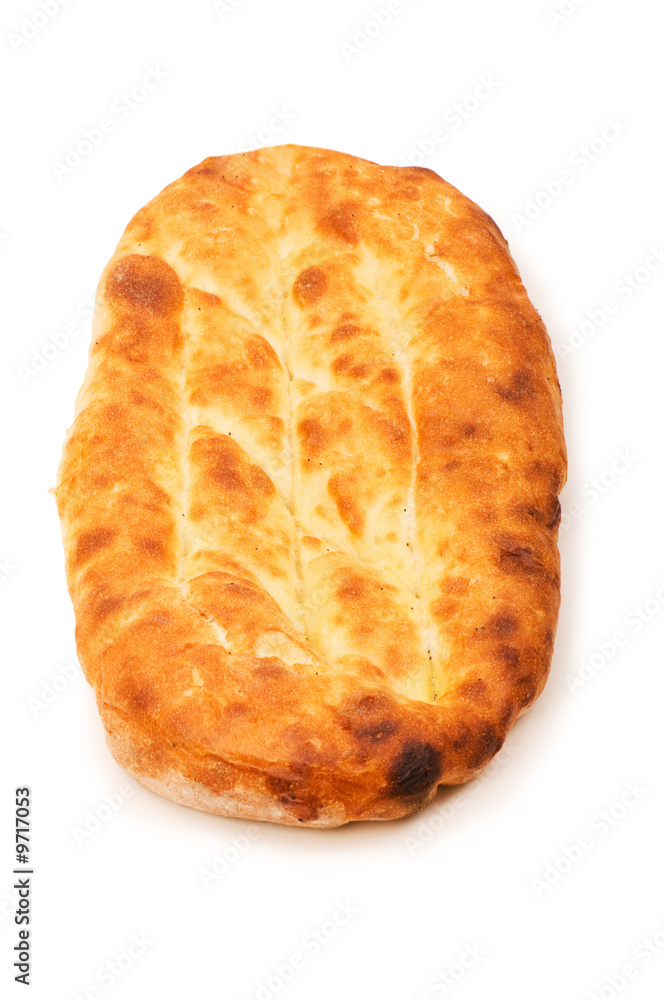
{"x": 309, "y": 498}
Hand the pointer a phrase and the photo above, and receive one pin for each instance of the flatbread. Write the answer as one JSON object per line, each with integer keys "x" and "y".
{"x": 309, "y": 500}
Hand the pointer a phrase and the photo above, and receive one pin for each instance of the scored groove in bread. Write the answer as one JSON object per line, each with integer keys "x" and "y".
{"x": 309, "y": 499}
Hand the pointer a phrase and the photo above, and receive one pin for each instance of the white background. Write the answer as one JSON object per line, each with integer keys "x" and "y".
{"x": 470, "y": 872}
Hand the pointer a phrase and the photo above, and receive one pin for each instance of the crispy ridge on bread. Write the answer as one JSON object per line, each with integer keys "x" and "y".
{"x": 309, "y": 499}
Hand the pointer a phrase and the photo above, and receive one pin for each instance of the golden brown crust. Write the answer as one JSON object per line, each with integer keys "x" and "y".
{"x": 309, "y": 499}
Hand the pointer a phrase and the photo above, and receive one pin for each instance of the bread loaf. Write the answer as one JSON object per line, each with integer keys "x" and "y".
{"x": 309, "y": 499}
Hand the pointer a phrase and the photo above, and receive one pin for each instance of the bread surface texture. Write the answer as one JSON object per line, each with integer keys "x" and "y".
{"x": 309, "y": 500}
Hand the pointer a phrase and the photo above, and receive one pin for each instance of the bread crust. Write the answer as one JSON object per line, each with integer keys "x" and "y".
{"x": 309, "y": 500}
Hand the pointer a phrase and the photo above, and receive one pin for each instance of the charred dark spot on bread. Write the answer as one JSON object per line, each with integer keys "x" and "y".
{"x": 292, "y": 794}
{"x": 309, "y": 286}
{"x": 269, "y": 668}
{"x": 520, "y": 385}
{"x": 370, "y": 720}
{"x": 352, "y": 587}
{"x": 502, "y": 625}
{"x": 313, "y": 435}
{"x": 459, "y": 735}
{"x": 507, "y": 715}
{"x": 516, "y": 558}
{"x": 474, "y": 690}
{"x": 547, "y": 515}
{"x": 91, "y": 542}
{"x": 344, "y": 495}
{"x": 376, "y": 732}
{"x": 548, "y": 474}
{"x": 554, "y": 513}
{"x": 416, "y": 770}
{"x": 261, "y": 354}
{"x": 342, "y": 221}
{"x": 344, "y": 332}
{"x": 106, "y": 605}
{"x": 486, "y": 744}
{"x": 347, "y": 365}
{"x": 144, "y": 700}
{"x": 509, "y": 656}
{"x": 147, "y": 283}
{"x": 526, "y": 687}
{"x": 152, "y": 545}
{"x": 235, "y": 709}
